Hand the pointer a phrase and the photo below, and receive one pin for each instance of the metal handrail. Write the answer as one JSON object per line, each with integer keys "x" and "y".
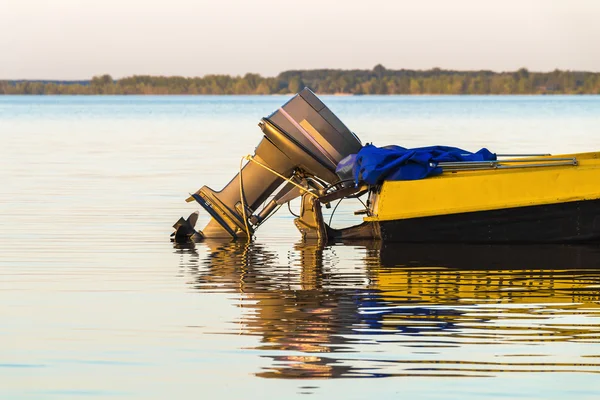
{"x": 523, "y": 155}
{"x": 500, "y": 164}
{"x": 495, "y": 162}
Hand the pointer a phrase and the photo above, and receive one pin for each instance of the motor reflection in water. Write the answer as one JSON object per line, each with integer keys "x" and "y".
{"x": 376, "y": 310}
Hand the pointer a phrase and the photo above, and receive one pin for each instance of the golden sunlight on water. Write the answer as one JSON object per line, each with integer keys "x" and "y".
{"x": 96, "y": 302}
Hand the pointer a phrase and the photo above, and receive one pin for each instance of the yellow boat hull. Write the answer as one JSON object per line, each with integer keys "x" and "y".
{"x": 544, "y": 204}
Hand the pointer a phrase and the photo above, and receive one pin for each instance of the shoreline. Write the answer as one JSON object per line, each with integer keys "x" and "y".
{"x": 292, "y": 94}
{"x": 331, "y": 82}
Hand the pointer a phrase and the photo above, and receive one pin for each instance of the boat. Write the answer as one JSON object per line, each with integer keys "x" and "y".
{"x": 500, "y": 198}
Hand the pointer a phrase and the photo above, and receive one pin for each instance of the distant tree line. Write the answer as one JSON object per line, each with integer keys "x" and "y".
{"x": 379, "y": 80}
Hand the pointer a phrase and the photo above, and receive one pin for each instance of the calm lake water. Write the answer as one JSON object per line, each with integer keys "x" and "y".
{"x": 96, "y": 302}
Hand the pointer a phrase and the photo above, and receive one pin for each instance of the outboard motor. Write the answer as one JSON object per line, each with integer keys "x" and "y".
{"x": 303, "y": 143}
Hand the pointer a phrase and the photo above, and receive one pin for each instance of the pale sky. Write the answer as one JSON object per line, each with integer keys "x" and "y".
{"x": 76, "y": 39}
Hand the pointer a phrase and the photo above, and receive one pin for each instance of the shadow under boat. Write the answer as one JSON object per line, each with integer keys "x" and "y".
{"x": 490, "y": 257}
{"x": 308, "y": 310}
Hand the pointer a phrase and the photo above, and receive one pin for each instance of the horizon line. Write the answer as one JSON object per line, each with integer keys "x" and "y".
{"x": 88, "y": 79}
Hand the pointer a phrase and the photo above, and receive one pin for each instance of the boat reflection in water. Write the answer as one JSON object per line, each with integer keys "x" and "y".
{"x": 379, "y": 310}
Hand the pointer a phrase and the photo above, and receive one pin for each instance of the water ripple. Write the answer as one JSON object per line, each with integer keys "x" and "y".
{"x": 428, "y": 300}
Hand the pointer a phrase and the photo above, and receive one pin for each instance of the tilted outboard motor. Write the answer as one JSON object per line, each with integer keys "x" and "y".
{"x": 303, "y": 143}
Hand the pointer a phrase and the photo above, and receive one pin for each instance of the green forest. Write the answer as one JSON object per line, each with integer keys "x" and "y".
{"x": 378, "y": 80}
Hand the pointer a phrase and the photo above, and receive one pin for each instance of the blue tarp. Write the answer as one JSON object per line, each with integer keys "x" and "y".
{"x": 373, "y": 164}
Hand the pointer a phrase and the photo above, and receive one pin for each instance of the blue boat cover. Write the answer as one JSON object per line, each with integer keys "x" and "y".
{"x": 373, "y": 164}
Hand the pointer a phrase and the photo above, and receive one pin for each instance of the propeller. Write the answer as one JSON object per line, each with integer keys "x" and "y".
{"x": 184, "y": 229}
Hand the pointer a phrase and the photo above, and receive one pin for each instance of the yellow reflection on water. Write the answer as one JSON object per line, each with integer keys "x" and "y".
{"x": 396, "y": 310}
